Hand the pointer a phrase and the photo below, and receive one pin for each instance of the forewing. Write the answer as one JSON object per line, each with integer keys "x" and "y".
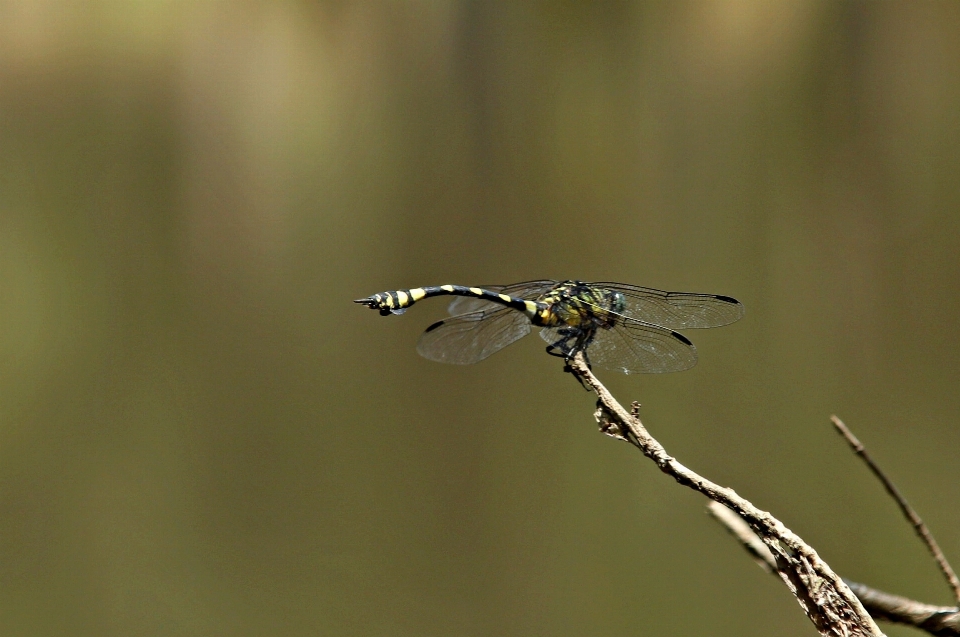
{"x": 470, "y": 338}
{"x": 633, "y": 347}
{"x": 526, "y": 290}
{"x": 677, "y": 310}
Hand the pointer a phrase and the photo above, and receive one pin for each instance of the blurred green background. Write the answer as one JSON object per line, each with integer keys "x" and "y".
{"x": 201, "y": 435}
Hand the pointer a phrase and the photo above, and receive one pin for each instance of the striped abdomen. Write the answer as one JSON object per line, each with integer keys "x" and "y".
{"x": 395, "y": 302}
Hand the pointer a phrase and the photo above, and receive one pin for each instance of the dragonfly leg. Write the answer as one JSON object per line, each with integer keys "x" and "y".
{"x": 584, "y": 338}
{"x": 560, "y": 347}
{"x": 581, "y": 340}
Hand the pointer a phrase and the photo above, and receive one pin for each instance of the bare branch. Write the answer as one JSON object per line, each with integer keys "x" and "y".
{"x": 827, "y": 601}
{"x": 740, "y": 530}
{"x": 908, "y": 511}
{"x": 942, "y": 621}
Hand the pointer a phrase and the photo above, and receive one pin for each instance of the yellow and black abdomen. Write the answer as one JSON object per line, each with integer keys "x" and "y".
{"x": 395, "y": 302}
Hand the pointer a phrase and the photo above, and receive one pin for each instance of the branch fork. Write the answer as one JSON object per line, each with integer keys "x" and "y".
{"x": 822, "y": 594}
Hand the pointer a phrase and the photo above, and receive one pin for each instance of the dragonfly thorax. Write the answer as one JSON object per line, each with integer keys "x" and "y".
{"x": 576, "y": 304}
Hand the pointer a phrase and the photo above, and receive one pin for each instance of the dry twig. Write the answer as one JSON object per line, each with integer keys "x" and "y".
{"x": 908, "y": 511}
{"x": 740, "y": 530}
{"x": 942, "y": 621}
{"x": 824, "y": 597}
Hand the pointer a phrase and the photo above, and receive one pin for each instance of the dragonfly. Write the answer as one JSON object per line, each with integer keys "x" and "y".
{"x": 616, "y": 326}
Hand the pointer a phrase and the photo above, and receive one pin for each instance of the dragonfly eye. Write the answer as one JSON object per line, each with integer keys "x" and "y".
{"x": 618, "y": 303}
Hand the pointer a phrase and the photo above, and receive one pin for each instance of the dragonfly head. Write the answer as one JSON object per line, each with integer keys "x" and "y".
{"x": 618, "y": 302}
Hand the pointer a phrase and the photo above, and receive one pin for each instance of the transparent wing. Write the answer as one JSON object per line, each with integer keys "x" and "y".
{"x": 677, "y": 310}
{"x": 526, "y": 290}
{"x": 633, "y": 347}
{"x": 470, "y": 338}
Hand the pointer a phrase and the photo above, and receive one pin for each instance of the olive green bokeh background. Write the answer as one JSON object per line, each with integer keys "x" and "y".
{"x": 201, "y": 435}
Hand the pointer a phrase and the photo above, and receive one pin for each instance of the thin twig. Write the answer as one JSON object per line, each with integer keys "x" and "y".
{"x": 942, "y": 621}
{"x": 745, "y": 535}
{"x": 832, "y": 607}
{"x": 908, "y": 511}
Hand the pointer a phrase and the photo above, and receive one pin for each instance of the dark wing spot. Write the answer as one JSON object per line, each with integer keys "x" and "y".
{"x": 728, "y": 299}
{"x": 680, "y": 337}
{"x": 434, "y": 326}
